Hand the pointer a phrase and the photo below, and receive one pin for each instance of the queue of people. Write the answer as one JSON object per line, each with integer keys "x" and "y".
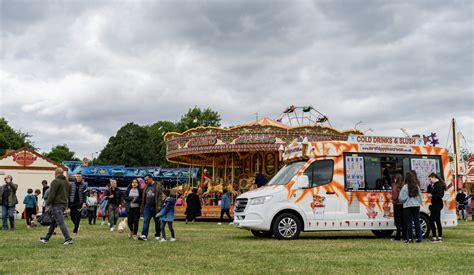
{"x": 406, "y": 196}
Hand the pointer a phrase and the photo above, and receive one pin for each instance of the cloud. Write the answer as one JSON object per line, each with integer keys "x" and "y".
{"x": 75, "y": 72}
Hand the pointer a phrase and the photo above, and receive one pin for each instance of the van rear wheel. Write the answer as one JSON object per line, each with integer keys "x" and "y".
{"x": 286, "y": 226}
{"x": 382, "y": 233}
{"x": 261, "y": 234}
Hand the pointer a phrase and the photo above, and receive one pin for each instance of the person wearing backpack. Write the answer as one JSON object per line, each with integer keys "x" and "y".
{"x": 437, "y": 193}
{"x": 30, "y": 205}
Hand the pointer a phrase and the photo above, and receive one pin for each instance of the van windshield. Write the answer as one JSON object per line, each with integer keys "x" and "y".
{"x": 286, "y": 173}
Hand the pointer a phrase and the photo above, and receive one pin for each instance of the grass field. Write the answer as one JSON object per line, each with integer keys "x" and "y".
{"x": 209, "y": 248}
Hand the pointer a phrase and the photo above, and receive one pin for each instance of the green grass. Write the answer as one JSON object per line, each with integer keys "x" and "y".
{"x": 208, "y": 248}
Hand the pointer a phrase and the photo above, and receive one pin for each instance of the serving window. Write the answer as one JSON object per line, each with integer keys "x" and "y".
{"x": 375, "y": 172}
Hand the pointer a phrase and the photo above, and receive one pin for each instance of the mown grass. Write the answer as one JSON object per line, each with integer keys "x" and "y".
{"x": 205, "y": 248}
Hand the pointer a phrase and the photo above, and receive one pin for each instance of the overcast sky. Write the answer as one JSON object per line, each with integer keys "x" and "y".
{"x": 74, "y": 72}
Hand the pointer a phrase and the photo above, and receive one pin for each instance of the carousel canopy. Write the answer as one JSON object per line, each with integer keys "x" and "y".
{"x": 203, "y": 145}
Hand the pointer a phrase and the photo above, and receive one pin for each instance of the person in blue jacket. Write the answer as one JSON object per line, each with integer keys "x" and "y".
{"x": 30, "y": 206}
{"x": 225, "y": 205}
{"x": 166, "y": 216}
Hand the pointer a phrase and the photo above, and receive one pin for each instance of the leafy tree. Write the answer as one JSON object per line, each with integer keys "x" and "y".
{"x": 11, "y": 139}
{"x": 60, "y": 153}
{"x": 157, "y": 133}
{"x": 131, "y": 146}
{"x": 196, "y": 117}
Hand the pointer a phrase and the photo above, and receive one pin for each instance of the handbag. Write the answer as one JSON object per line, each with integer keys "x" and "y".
{"x": 45, "y": 219}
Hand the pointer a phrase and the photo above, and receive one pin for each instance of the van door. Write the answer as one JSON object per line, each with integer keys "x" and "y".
{"x": 320, "y": 202}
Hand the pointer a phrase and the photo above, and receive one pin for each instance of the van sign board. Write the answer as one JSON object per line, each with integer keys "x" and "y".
{"x": 387, "y": 149}
{"x": 404, "y": 141}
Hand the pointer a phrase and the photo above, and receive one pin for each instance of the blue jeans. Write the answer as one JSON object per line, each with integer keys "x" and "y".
{"x": 8, "y": 212}
{"x": 57, "y": 215}
{"x": 148, "y": 213}
{"x": 412, "y": 216}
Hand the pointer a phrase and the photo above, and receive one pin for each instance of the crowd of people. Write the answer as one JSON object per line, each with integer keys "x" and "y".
{"x": 153, "y": 202}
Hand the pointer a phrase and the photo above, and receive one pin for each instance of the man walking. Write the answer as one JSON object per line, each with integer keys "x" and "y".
{"x": 8, "y": 200}
{"x": 77, "y": 200}
{"x": 56, "y": 204}
{"x": 151, "y": 204}
{"x": 115, "y": 201}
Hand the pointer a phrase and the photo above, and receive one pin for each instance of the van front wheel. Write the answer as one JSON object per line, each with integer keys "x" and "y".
{"x": 286, "y": 227}
{"x": 261, "y": 234}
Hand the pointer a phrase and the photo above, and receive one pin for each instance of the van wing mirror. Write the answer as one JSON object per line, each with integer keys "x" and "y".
{"x": 302, "y": 182}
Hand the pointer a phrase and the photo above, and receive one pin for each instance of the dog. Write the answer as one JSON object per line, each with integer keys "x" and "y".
{"x": 122, "y": 225}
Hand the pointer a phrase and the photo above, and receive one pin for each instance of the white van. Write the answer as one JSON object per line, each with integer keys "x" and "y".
{"x": 326, "y": 186}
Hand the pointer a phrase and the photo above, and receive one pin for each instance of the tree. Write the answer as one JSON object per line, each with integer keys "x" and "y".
{"x": 131, "y": 146}
{"x": 196, "y": 117}
{"x": 157, "y": 133}
{"x": 11, "y": 139}
{"x": 60, "y": 153}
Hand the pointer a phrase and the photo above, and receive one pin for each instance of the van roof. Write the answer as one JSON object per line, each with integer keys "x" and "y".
{"x": 361, "y": 144}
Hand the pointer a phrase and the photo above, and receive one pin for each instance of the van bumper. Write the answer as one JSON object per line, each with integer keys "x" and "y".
{"x": 253, "y": 221}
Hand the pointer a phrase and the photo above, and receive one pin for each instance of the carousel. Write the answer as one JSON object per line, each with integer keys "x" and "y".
{"x": 231, "y": 158}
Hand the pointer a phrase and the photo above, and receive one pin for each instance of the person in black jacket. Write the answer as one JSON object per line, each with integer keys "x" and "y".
{"x": 77, "y": 200}
{"x": 437, "y": 192}
{"x": 115, "y": 202}
{"x": 133, "y": 197}
{"x": 461, "y": 198}
{"x": 193, "y": 206}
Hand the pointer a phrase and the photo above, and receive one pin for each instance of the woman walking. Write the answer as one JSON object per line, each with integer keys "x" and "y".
{"x": 437, "y": 192}
{"x": 133, "y": 198}
{"x": 410, "y": 195}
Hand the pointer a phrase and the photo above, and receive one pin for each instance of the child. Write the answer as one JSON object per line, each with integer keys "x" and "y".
{"x": 92, "y": 202}
{"x": 166, "y": 215}
{"x": 30, "y": 206}
{"x": 35, "y": 214}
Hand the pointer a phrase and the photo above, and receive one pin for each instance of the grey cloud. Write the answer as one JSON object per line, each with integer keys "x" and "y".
{"x": 85, "y": 69}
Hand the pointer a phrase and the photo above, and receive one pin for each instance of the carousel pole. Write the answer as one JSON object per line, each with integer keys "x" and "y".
{"x": 225, "y": 170}
{"x": 213, "y": 168}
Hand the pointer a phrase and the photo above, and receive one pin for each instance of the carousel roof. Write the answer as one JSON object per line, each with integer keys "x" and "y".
{"x": 202, "y": 144}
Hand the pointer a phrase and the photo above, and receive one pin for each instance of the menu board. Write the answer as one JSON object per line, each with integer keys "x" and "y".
{"x": 423, "y": 168}
{"x": 355, "y": 178}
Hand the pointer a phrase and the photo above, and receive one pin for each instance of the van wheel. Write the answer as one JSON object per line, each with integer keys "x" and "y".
{"x": 425, "y": 226}
{"x": 261, "y": 234}
{"x": 286, "y": 227}
{"x": 382, "y": 233}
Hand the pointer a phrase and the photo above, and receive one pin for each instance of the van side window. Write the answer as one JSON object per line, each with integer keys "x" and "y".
{"x": 375, "y": 172}
{"x": 320, "y": 172}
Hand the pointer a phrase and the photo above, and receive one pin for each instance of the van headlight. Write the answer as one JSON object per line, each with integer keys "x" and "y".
{"x": 260, "y": 200}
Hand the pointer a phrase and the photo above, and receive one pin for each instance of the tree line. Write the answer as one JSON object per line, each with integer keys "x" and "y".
{"x": 132, "y": 145}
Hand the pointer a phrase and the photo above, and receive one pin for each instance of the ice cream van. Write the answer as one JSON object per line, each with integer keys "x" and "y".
{"x": 342, "y": 185}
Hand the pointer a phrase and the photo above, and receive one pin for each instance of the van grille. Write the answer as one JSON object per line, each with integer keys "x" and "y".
{"x": 240, "y": 205}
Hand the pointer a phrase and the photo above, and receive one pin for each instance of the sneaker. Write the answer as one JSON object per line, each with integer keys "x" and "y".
{"x": 102, "y": 223}
{"x": 158, "y": 238}
{"x": 112, "y": 229}
{"x": 44, "y": 240}
{"x": 163, "y": 240}
{"x": 172, "y": 240}
{"x": 231, "y": 223}
{"x": 28, "y": 226}
{"x": 219, "y": 223}
{"x": 440, "y": 239}
{"x": 434, "y": 240}
{"x": 143, "y": 238}
{"x": 108, "y": 224}
{"x": 70, "y": 241}
{"x": 419, "y": 241}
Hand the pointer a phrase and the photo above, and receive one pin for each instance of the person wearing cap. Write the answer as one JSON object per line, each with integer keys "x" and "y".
{"x": 92, "y": 202}
{"x": 77, "y": 200}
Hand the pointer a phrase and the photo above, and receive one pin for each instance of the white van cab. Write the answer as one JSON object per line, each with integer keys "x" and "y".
{"x": 336, "y": 185}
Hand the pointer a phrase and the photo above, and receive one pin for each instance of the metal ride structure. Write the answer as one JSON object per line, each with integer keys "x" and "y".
{"x": 299, "y": 116}
{"x": 231, "y": 157}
